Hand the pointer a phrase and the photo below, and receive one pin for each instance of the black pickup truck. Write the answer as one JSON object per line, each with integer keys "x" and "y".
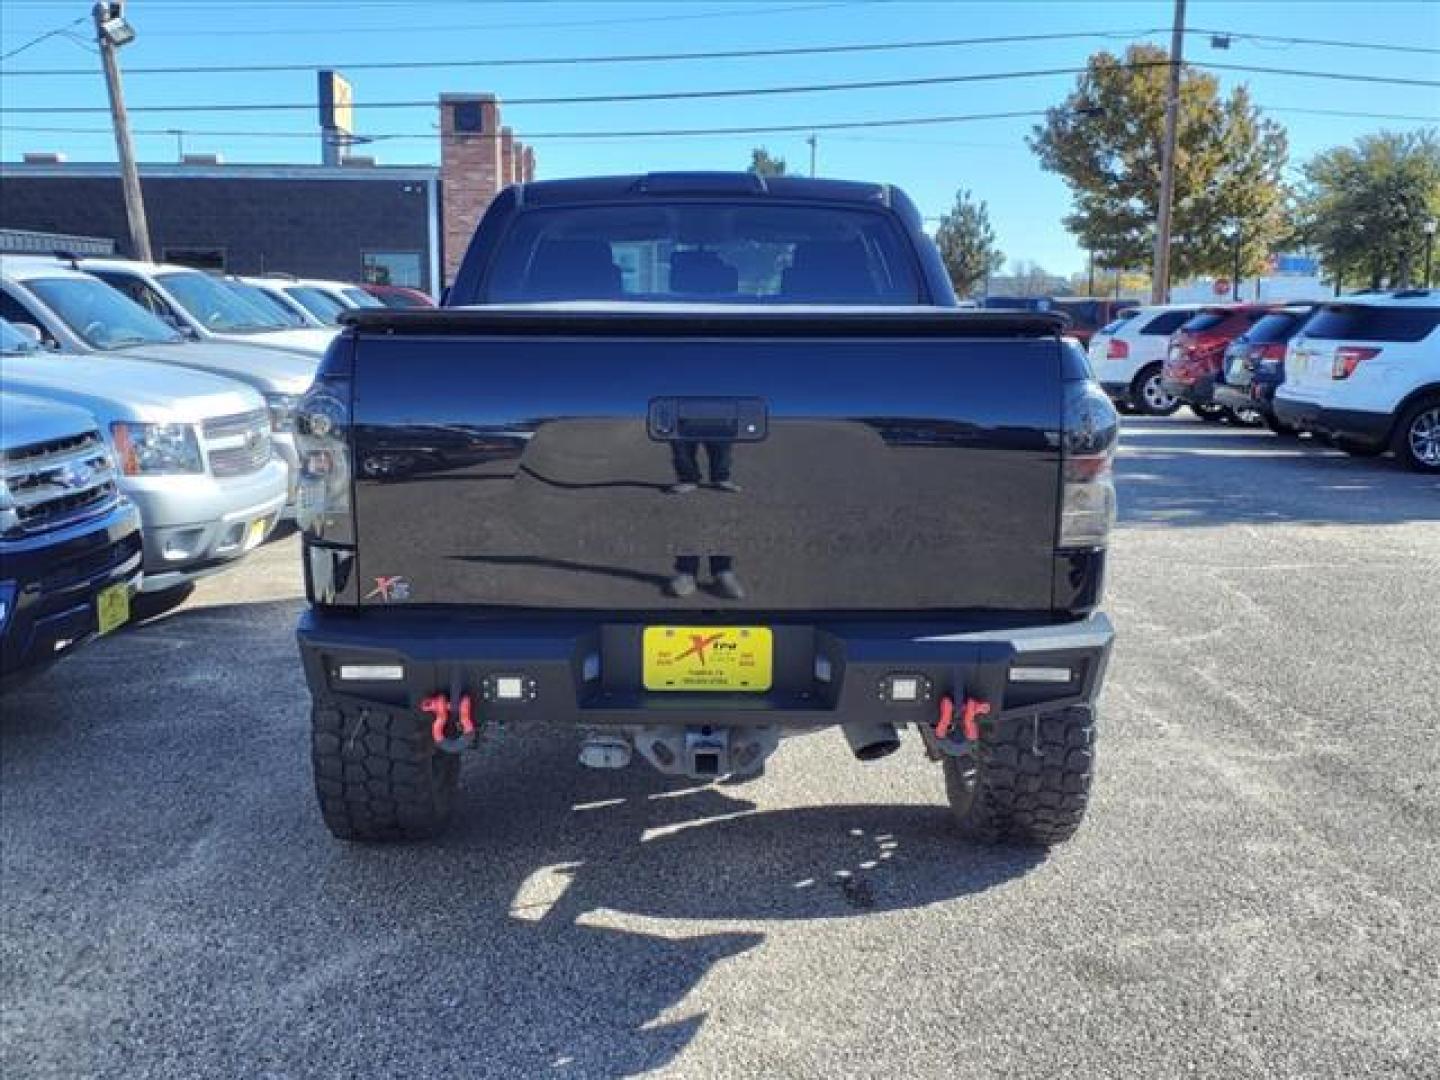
{"x": 689, "y": 463}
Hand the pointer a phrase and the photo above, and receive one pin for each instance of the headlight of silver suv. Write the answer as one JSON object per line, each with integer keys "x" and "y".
{"x": 155, "y": 449}
{"x": 282, "y": 411}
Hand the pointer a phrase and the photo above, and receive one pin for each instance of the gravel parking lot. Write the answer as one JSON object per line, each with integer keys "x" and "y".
{"x": 1255, "y": 891}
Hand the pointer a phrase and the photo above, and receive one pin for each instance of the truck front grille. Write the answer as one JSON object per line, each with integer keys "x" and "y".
{"x": 238, "y": 445}
{"x": 57, "y": 482}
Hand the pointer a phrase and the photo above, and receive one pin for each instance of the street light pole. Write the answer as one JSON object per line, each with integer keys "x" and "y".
{"x": 111, "y": 32}
{"x": 812, "y": 140}
{"x": 1160, "y": 279}
{"x": 1235, "y": 278}
{"x": 1429, "y": 228}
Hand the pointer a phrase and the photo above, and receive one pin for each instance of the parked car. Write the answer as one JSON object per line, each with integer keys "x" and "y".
{"x": 324, "y": 300}
{"x": 284, "y": 312}
{"x": 398, "y": 296}
{"x": 192, "y": 451}
{"x": 313, "y": 308}
{"x": 1127, "y": 354}
{"x": 1365, "y": 371}
{"x": 654, "y": 561}
{"x": 1255, "y": 365}
{"x": 201, "y": 306}
{"x": 1196, "y": 352}
{"x": 1087, "y": 314}
{"x": 77, "y": 313}
{"x": 69, "y": 540}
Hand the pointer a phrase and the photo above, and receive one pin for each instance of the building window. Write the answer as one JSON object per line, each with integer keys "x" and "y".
{"x": 393, "y": 268}
{"x": 200, "y": 258}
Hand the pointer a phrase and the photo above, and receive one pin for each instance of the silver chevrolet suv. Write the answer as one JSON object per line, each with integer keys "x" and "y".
{"x": 74, "y": 312}
{"x": 193, "y": 451}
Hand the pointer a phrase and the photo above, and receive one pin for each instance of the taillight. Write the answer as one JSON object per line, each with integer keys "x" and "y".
{"x": 1087, "y": 451}
{"x": 322, "y": 431}
{"x": 1117, "y": 350}
{"x": 1348, "y": 358}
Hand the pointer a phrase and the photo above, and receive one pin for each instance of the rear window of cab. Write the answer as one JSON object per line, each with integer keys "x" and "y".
{"x": 1365, "y": 322}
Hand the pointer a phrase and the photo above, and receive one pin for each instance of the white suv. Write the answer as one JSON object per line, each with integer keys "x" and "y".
{"x": 1126, "y": 356}
{"x": 1365, "y": 370}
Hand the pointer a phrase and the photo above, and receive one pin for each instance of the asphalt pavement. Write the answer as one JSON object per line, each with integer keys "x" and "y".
{"x": 1256, "y": 891}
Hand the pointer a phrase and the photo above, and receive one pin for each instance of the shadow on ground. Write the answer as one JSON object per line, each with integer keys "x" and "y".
{"x": 173, "y": 905}
{"x": 1177, "y": 472}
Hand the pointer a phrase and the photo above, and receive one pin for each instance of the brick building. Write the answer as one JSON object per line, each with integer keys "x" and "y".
{"x": 406, "y": 224}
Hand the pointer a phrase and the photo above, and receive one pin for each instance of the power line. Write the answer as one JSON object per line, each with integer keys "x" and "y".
{"x": 735, "y": 9}
{"x": 597, "y": 99}
{"x": 59, "y": 31}
{"x": 767, "y": 91}
{"x": 1378, "y": 46}
{"x": 624, "y": 58}
{"x": 837, "y": 125}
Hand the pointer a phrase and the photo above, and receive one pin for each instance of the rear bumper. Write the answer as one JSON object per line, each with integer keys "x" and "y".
{"x": 589, "y": 674}
{"x": 1239, "y": 397}
{"x": 1199, "y": 392}
{"x": 50, "y": 584}
{"x": 1364, "y": 428}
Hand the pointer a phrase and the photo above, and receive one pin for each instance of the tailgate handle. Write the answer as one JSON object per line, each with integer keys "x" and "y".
{"x": 708, "y": 419}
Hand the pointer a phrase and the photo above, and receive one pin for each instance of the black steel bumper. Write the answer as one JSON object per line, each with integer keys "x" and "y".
{"x": 589, "y": 674}
{"x": 50, "y": 583}
{"x": 1363, "y": 428}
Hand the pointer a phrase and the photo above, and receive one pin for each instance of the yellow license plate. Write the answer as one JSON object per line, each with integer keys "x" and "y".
{"x": 112, "y": 607}
{"x": 707, "y": 658}
{"x": 255, "y": 534}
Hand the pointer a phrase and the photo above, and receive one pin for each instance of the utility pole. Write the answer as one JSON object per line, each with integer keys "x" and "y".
{"x": 1090, "y": 291}
{"x": 1235, "y": 279}
{"x": 111, "y": 32}
{"x": 812, "y": 141}
{"x": 1160, "y": 279}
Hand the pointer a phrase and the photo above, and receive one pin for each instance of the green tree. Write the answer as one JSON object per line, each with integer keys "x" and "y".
{"x": 1363, "y": 208}
{"x": 967, "y": 244}
{"x": 1105, "y": 141}
{"x": 762, "y": 163}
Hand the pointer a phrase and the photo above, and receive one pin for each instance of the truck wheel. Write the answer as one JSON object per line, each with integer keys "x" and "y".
{"x": 1417, "y": 436}
{"x": 1029, "y": 781}
{"x": 1149, "y": 396}
{"x": 378, "y": 774}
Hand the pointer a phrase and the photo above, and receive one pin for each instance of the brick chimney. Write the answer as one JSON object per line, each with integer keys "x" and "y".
{"x": 507, "y": 157}
{"x": 472, "y": 167}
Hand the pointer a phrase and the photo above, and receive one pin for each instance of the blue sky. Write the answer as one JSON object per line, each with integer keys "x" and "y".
{"x": 989, "y": 157}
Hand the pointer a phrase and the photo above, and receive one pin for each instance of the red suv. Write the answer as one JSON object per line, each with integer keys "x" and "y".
{"x": 1196, "y": 356}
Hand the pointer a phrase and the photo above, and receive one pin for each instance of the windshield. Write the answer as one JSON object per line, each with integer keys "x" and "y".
{"x": 214, "y": 306}
{"x": 360, "y": 298}
{"x": 1276, "y": 327}
{"x": 320, "y": 304}
{"x": 13, "y": 341}
{"x": 1205, "y": 320}
{"x": 704, "y": 252}
{"x": 101, "y": 316}
{"x": 278, "y": 316}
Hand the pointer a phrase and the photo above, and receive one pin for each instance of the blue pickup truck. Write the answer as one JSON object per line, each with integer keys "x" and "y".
{"x": 691, "y": 462}
{"x": 69, "y": 541}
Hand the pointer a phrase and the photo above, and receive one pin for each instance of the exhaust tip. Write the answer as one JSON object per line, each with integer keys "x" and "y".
{"x": 870, "y": 741}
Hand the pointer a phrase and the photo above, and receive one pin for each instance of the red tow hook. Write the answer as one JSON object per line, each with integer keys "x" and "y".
{"x": 438, "y": 706}
{"x": 970, "y": 713}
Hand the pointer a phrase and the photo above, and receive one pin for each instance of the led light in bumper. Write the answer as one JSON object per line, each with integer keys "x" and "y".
{"x": 1040, "y": 674}
{"x": 372, "y": 672}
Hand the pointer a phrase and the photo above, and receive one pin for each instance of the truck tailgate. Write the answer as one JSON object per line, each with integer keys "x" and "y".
{"x": 537, "y": 468}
